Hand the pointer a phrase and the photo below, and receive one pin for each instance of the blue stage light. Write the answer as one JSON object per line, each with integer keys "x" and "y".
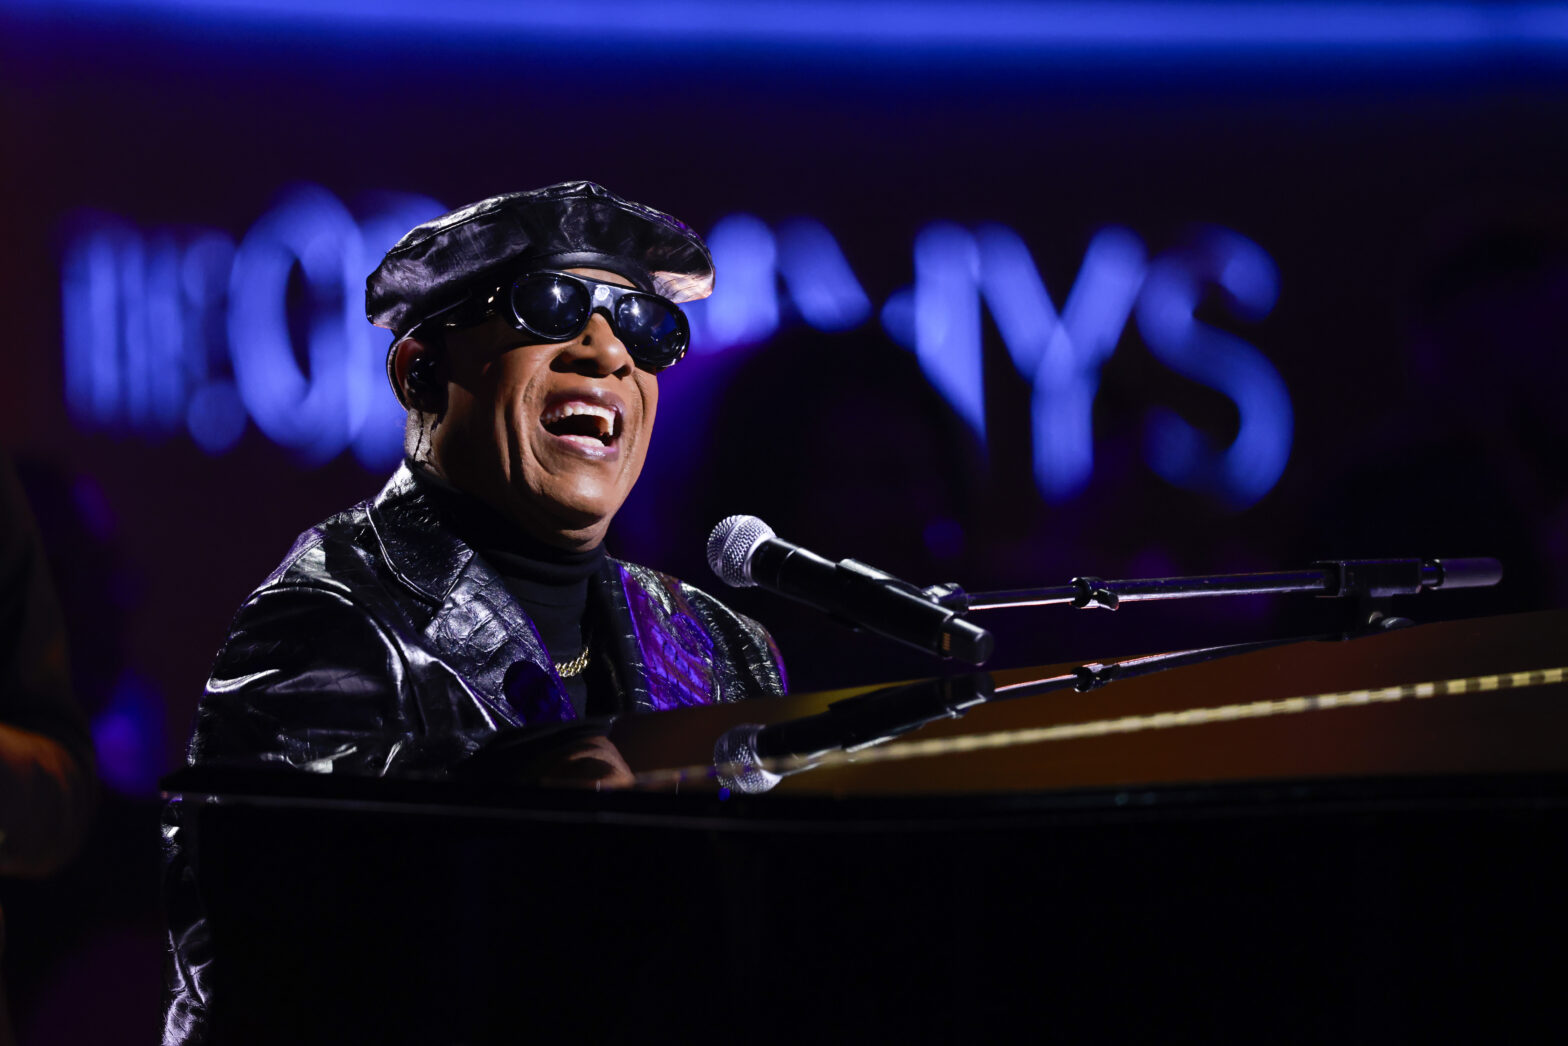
{"x": 1199, "y": 29}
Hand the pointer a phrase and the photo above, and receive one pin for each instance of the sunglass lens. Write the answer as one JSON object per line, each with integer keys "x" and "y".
{"x": 651, "y": 330}
{"x": 550, "y": 306}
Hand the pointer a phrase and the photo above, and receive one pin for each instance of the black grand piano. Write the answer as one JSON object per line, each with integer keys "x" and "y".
{"x": 1318, "y": 841}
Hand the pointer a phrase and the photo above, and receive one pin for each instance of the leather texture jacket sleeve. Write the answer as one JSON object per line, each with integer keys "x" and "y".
{"x": 311, "y": 679}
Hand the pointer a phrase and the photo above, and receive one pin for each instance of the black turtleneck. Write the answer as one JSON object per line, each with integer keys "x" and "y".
{"x": 550, "y": 583}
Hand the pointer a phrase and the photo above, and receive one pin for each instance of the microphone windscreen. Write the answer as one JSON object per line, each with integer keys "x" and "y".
{"x": 735, "y": 758}
{"x": 731, "y": 545}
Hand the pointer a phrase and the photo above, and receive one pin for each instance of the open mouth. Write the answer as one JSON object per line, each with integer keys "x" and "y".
{"x": 586, "y": 425}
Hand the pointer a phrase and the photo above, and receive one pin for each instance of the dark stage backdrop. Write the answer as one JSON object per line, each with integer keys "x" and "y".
{"x": 988, "y": 311}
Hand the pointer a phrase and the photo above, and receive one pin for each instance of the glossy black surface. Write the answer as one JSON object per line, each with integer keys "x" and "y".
{"x": 1293, "y": 911}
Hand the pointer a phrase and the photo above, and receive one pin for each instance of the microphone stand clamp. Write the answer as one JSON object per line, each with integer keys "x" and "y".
{"x": 1093, "y": 592}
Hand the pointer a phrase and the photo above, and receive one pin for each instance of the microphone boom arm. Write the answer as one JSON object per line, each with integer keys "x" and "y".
{"x": 1339, "y": 578}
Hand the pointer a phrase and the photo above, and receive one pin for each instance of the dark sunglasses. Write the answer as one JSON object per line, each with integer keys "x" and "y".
{"x": 556, "y": 306}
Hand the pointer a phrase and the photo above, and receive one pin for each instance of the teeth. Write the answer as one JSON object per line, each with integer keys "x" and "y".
{"x": 605, "y": 415}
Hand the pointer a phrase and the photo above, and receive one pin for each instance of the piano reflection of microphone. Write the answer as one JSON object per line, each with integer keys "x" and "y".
{"x": 751, "y": 758}
{"x": 743, "y": 551}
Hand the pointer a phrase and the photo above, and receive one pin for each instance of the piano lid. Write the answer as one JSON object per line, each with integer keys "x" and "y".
{"x": 1451, "y": 698}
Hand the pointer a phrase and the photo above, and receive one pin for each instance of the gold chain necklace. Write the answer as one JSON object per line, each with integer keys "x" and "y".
{"x": 568, "y": 669}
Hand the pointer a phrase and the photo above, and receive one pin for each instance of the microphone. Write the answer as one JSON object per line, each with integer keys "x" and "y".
{"x": 743, "y": 551}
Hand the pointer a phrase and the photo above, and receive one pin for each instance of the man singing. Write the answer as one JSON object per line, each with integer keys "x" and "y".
{"x": 473, "y": 595}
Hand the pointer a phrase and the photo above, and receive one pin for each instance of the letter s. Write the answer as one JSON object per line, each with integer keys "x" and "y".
{"x": 1246, "y": 470}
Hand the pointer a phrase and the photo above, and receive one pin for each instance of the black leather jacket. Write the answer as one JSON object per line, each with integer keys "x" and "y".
{"x": 384, "y": 645}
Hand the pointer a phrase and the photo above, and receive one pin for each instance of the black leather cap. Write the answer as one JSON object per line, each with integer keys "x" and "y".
{"x": 563, "y": 225}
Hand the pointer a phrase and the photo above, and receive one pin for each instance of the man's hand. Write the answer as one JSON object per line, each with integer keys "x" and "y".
{"x": 555, "y": 755}
{"x": 592, "y": 762}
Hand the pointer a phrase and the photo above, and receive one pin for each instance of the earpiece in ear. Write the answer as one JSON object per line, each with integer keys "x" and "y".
{"x": 424, "y": 375}
{"x": 420, "y": 364}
